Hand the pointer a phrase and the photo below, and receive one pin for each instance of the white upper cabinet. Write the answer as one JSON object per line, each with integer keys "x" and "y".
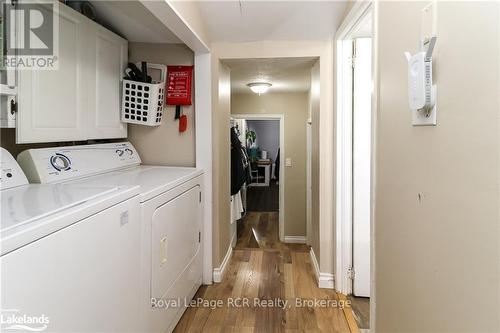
{"x": 80, "y": 100}
{"x": 109, "y": 59}
{"x": 53, "y": 104}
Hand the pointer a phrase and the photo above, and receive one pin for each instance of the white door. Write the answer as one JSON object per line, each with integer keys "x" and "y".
{"x": 362, "y": 92}
{"x": 109, "y": 58}
{"x": 175, "y": 239}
{"x": 53, "y": 104}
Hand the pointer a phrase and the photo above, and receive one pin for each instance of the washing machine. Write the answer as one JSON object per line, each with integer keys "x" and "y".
{"x": 69, "y": 259}
{"x": 171, "y": 219}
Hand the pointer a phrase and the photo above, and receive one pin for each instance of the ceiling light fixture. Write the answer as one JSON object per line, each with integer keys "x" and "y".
{"x": 259, "y": 87}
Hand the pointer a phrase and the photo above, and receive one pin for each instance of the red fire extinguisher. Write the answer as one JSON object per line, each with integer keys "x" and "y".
{"x": 179, "y": 82}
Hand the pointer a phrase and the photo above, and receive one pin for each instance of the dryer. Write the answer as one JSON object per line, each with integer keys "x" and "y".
{"x": 171, "y": 219}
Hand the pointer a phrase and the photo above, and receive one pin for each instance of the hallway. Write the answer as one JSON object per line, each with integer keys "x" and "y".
{"x": 265, "y": 269}
{"x": 263, "y": 198}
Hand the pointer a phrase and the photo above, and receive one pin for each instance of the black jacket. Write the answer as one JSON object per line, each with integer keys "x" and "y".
{"x": 238, "y": 161}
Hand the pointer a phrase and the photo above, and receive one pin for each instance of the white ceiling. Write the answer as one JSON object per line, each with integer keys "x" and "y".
{"x": 247, "y": 21}
{"x": 285, "y": 74}
{"x": 130, "y": 19}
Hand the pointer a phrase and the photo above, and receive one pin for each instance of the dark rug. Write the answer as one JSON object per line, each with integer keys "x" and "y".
{"x": 263, "y": 198}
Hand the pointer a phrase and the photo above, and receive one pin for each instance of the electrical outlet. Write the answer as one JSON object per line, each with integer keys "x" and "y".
{"x": 425, "y": 117}
{"x": 288, "y": 162}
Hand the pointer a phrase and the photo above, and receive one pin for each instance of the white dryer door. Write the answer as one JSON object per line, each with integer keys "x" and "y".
{"x": 175, "y": 240}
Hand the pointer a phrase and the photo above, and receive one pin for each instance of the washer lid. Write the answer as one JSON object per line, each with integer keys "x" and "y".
{"x": 155, "y": 180}
{"x": 152, "y": 180}
{"x": 38, "y": 210}
{"x": 27, "y": 203}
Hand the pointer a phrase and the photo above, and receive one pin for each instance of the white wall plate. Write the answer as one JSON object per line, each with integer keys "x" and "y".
{"x": 425, "y": 118}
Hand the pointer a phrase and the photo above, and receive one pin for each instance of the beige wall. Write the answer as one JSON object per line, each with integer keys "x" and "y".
{"x": 437, "y": 188}
{"x": 221, "y": 105}
{"x": 164, "y": 145}
{"x": 314, "y": 102}
{"x": 294, "y": 107}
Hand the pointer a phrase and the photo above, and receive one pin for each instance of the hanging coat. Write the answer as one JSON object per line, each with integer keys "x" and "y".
{"x": 238, "y": 172}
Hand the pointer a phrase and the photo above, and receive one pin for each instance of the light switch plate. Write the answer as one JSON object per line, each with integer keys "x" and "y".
{"x": 288, "y": 162}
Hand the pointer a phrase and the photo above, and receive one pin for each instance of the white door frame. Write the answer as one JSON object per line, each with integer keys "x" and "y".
{"x": 203, "y": 137}
{"x": 344, "y": 218}
{"x": 282, "y": 185}
{"x": 308, "y": 181}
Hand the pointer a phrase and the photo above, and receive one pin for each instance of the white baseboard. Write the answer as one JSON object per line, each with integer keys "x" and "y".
{"x": 218, "y": 273}
{"x": 295, "y": 239}
{"x": 325, "y": 280}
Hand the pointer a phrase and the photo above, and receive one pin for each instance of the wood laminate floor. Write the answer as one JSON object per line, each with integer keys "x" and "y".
{"x": 258, "y": 230}
{"x": 263, "y": 269}
{"x": 361, "y": 310}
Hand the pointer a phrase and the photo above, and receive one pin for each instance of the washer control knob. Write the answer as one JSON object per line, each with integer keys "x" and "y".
{"x": 119, "y": 152}
{"x": 60, "y": 162}
{"x": 129, "y": 151}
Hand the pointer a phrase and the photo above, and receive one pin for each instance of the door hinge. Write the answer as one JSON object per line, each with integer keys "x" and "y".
{"x": 353, "y": 57}
{"x": 13, "y": 106}
{"x": 351, "y": 273}
{"x": 199, "y": 236}
{"x": 352, "y": 61}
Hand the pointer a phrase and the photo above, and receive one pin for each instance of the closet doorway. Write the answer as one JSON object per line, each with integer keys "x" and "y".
{"x": 262, "y": 137}
{"x": 356, "y": 109}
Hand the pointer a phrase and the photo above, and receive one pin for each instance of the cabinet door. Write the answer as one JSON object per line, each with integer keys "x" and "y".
{"x": 109, "y": 60}
{"x": 53, "y": 104}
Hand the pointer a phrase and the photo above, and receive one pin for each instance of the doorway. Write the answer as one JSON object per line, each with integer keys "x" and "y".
{"x": 354, "y": 158}
{"x": 262, "y": 223}
{"x": 272, "y": 128}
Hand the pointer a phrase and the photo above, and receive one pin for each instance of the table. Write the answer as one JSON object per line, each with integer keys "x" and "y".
{"x": 266, "y": 165}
